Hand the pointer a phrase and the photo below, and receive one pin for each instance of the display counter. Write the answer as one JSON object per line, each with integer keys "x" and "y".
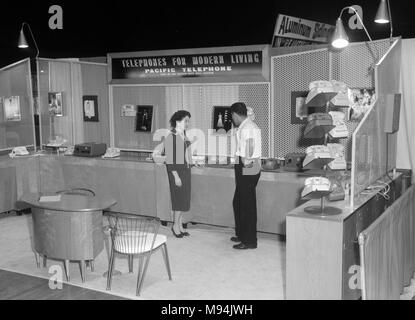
{"x": 323, "y": 251}
{"x": 141, "y": 186}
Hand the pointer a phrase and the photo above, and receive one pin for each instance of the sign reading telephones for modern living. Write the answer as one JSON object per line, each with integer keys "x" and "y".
{"x": 201, "y": 65}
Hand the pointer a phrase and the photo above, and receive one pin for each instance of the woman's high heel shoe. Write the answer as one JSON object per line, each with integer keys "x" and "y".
{"x": 175, "y": 234}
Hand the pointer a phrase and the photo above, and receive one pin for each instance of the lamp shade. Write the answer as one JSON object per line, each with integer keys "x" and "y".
{"x": 22, "y": 40}
{"x": 340, "y": 38}
{"x": 382, "y": 16}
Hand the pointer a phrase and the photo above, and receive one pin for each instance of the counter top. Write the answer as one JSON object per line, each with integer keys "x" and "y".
{"x": 343, "y": 205}
{"x": 70, "y": 202}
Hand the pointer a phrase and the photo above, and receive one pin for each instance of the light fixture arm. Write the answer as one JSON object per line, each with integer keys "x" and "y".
{"x": 34, "y": 40}
{"x": 390, "y": 18}
{"x": 360, "y": 19}
{"x": 363, "y": 25}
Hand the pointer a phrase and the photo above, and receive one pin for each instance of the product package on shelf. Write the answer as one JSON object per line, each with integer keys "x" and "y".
{"x": 337, "y": 153}
{"x": 340, "y": 130}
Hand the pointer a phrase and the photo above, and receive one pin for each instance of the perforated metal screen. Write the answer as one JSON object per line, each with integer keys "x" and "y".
{"x": 294, "y": 72}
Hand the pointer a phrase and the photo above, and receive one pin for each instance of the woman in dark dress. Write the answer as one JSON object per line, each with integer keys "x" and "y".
{"x": 178, "y": 163}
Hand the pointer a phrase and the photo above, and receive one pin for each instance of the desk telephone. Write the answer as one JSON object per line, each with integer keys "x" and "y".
{"x": 69, "y": 151}
{"x": 316, "y": 184}
{"x": 19, "y": 151}
{"x": 112, "y": 153}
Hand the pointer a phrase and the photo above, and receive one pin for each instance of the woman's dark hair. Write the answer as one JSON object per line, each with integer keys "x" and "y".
{"x": 239, "y": 108}
{"x": 179, "y": 116}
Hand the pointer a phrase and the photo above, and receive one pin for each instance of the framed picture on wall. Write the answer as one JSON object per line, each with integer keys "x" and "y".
{"x": 144, "y": 119}
{"x": 90, "y": 106}
{"x": 55, "y": 104}
{"x": 299, "y": 110}
{"x": 222, "y": 119}
{"x": 11, "y": 108}
{"x": 128, "y": 110}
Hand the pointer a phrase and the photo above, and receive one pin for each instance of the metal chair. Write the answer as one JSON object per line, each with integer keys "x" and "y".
{"x": 135, "y": 235}
{"x": 75, "y": 191}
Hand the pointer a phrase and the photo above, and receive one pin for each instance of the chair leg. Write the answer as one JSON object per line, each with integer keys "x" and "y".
{"x": 82, "y": 265}
{"x": 44, "y": 261}
{"x": 130, "y": 263}
{"x": 140, "y": 268}
{"x": 166, "y": 259}
{"x": 91, "y": 265}
{"x": 140, "y": 282}
{"x": 110, "y": 267}
{"x": 37, "y": 257}
{"x": 67, "y": 270}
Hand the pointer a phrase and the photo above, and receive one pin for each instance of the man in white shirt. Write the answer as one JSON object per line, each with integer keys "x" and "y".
{"x": 247, "y": 173}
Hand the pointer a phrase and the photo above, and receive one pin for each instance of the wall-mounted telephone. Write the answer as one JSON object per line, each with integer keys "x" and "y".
{"x": 112, "y": 153}
{"x": 321, "y": 153}
{"x": 18, "y": 151}
{"x": 69, "y": 151}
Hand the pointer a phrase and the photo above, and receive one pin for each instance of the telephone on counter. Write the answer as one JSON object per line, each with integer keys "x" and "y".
{"x": 69, "y": 151}
{"x": 318, "y": 185}
{"x": 340, "y": 130}
{"x": 112, "y": 153}
{"x": 19, "y": 151}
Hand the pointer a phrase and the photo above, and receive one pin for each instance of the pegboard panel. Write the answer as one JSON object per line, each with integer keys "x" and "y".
{"x": 293, "y": 72}
{"x": 354, "y": 64}
{"x": 257, "y": 96}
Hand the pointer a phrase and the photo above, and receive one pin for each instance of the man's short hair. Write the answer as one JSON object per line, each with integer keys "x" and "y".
{"x": 239, "y": 108}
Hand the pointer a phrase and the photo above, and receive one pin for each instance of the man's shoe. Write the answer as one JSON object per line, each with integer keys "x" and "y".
{"x": 235, "y": 239}
{"x": 243, "y": 246}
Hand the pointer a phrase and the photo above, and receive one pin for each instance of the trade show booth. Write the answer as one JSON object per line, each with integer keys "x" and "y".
{"x": 325, "y": 116}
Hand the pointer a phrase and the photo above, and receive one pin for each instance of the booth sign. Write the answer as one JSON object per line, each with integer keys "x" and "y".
{"x": 197, "y": 65}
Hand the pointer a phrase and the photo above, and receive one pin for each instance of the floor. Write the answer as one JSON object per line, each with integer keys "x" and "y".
{"x": 204, "y": 265}
{"x": 16, "y": 286}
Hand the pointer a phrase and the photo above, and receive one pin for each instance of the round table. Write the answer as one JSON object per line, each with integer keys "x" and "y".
{"x": 68, "y": 229}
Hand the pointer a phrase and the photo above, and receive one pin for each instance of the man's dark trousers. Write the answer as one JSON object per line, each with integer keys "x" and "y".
{"x": 244, "y": 204}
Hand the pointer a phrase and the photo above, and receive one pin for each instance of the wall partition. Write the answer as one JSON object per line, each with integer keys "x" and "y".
{"x": 197, "y": 80}
{"x": 17, "y": 126}
{"x": 292, "y": 73}
{"x": 198, "y": 99}
{"x": 73, "y": 101}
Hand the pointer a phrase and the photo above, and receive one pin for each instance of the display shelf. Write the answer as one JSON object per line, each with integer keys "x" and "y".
{"x": 317, "y": 132}
{"x": 318, "y": 99}
{"x": 317, "y": 163}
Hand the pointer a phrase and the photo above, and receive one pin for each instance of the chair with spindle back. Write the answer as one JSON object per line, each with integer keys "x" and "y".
{"x": 133, "y": 235}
